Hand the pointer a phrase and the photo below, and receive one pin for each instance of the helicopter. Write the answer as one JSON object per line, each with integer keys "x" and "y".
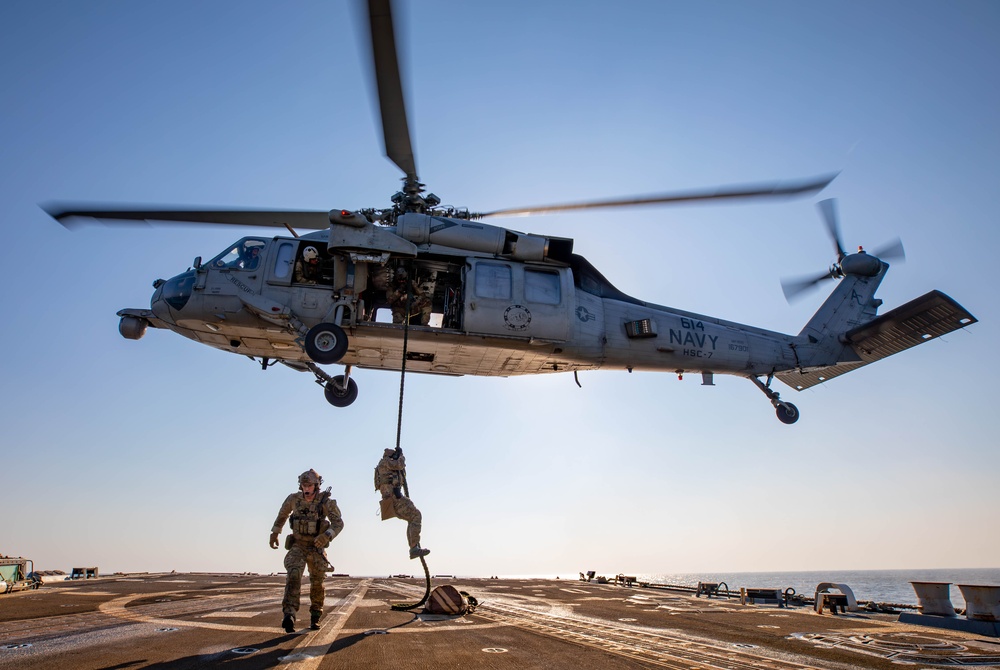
{"x": 433, "y": 289}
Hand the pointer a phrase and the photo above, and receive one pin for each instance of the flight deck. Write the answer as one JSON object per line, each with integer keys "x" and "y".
{"x": 184, "y": 620}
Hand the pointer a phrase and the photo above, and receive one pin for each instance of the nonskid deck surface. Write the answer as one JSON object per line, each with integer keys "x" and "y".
{"x": 205, "y": 620}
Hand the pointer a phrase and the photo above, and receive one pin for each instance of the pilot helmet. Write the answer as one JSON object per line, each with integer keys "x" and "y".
{"x": 310, "y": 254}
{"x": 310, "y": 477}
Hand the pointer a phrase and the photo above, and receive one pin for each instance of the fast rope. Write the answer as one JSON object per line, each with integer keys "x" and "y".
{"x": 402, "y": 607}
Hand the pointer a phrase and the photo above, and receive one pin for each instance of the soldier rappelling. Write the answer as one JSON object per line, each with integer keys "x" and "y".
{"x": 390, "y": 481}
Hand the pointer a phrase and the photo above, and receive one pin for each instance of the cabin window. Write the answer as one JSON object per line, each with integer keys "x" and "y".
{"x": 542, "y": 287}
{"x": 283, "y": 260}
{"x": 493, "y": 281}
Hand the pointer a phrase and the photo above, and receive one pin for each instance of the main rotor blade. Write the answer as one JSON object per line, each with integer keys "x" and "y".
{"x": 395, "y": 128}
{"x": 891, "y": 250}
{"x": 828, "y": 208}
{"x": 794, "y": 288}
{"x": 64, "y": 213}
{"x": 765, "y": 190}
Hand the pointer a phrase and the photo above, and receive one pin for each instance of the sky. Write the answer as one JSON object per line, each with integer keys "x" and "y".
{"x": 163, "y": 454}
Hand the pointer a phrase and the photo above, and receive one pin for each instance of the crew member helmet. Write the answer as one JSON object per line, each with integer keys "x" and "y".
{"x": 310, "y": 254}
{"x": 310, "y": 477}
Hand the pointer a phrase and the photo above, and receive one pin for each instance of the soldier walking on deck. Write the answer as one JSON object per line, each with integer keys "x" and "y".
{"x": 390, "y": 477}
{"x": 315, "y": 521}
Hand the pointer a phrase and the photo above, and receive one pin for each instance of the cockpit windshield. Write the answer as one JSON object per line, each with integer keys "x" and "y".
{"x": 244, "y": 255}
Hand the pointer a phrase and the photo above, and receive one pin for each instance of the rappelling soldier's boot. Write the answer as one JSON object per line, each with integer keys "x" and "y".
{"x": 288, "y": 623}
{"x": 314, "y": 620}
{"x": 417, "y": 552}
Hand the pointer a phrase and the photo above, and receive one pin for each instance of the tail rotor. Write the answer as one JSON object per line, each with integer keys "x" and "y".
{"x": 860, "y": 263}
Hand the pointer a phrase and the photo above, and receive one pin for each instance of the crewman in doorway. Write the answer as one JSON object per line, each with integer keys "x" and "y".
{"x": 390, "y": 478}
{"x": 307, "y": 269}
{"x": 420, "y": 302}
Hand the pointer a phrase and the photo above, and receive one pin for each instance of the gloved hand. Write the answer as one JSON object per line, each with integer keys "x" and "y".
{"x": 321, "y": 541}
{"x": 274, "y": 540}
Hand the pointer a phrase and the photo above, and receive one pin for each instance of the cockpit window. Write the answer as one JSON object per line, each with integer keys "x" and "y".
{"x": 244, "y": 255}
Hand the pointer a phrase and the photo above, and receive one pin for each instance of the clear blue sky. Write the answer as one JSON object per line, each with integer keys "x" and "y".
{"x": 164, "y": 454}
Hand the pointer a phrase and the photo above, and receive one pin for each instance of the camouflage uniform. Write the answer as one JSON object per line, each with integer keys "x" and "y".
{"x": 306, "y": 273}
{"x": 420, "y": 302}
{"x": 389, "y": 474}
{"x": 308, "y": 520}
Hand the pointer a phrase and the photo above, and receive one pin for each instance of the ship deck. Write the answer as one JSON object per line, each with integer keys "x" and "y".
{"x": 206, "y": 620}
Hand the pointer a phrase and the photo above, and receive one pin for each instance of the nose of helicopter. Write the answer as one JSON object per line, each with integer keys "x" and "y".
{"x": 172, "y": 295}
{"x": 158, "y": 306}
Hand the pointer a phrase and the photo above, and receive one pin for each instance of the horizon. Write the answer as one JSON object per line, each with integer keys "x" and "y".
{"x": 166, "y": 454}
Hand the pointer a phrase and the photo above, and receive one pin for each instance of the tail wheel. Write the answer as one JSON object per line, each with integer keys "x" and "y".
{"x": 787, "y": 413}
{"x": 326, "y": 343}
{"x": 339, "y": 395}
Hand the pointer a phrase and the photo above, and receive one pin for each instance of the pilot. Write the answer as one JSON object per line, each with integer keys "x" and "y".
{"x": 250, "y": 255}
{"x": 420, "y": 302}
{"x": 315, "y": 521}
{"x": 307, "y": 269}
{"x": 390, "y": 477}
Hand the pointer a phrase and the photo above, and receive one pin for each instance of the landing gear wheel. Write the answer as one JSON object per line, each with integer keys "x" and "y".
{"x": 787, "y": 413}
{"x": 337, "y": 394}
{"x": 326, "y": 343}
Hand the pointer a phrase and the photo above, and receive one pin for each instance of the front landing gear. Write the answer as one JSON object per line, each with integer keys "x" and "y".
{"x": 326, "y": 343}
{"x": 786, "y": 411}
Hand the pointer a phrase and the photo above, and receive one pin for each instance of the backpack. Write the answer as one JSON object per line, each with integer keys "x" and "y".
{"x": 449, "y": 600}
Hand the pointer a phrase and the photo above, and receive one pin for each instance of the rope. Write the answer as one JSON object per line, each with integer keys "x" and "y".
{"x": 402, "y": 607}
{"x": 402, "y": 370}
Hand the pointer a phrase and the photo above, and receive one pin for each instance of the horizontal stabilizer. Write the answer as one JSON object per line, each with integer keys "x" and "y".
{"x": 921, "y": 320}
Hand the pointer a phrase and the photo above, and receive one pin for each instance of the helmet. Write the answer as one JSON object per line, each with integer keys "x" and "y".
{"x": 310, "y": 477}
{"x": 310, "y": 254}
{"x": 401, "y": 273}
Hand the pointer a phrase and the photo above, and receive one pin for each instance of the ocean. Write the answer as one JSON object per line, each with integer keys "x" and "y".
{"x": 882, "y": 586}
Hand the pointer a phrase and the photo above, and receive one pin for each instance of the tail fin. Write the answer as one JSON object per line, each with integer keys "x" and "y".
{"x": 851, "y": 304}
{"x": 845, "y": 334}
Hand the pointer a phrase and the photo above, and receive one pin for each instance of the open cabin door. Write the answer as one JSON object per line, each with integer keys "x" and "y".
{"x": 515, "y": 299}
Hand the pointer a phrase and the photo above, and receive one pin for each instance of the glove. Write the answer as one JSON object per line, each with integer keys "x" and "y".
{"x": 321, "y": 541}
{"x": 274, "y": 540}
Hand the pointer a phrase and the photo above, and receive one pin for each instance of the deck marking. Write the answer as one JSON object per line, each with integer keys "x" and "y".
{"x": 148, "y": 613}
{"x": 315, "y": 645}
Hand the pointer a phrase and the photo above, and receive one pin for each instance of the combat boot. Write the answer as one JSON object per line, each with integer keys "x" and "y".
{"x": 314, "y": 620}
{"x": 417, "y": 552}
{"x": 288, "y": 623}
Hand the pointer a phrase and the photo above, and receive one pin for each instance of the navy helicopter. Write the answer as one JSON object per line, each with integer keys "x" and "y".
{"x": 456, "y": 296}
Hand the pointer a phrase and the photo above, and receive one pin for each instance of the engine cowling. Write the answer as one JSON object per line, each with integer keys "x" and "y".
{"x": 482, "y": 237}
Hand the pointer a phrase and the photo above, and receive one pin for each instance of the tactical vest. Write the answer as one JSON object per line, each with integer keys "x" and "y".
{"x": 386, "y": 477}
{"x": 307, "y": 517}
